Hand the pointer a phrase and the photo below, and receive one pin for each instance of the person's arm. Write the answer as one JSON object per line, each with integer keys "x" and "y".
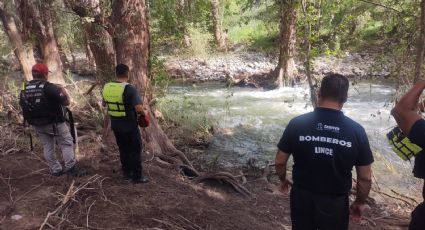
{"x": 405, "y": 111}
{"x": 281, "y": 162}
{"x": 66, "y": 101}
{"x": 421, "y": 106}
{"x": 139, "y": 109}
{"x": 364, "y": 184}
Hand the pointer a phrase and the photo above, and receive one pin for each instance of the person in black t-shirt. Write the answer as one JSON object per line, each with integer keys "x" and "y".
{"x": 124, "y": 105}
{"x": 325, "y": 145}
{"x": 411, "y": 123}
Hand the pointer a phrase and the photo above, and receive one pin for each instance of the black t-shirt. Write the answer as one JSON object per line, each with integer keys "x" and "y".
{"x": 417, "y": 136}
{"x": 129, "y": 122}
{"x": 325, "y": 145}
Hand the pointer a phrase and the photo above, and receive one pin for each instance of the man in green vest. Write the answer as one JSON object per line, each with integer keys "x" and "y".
{"x": 124, "y": 106}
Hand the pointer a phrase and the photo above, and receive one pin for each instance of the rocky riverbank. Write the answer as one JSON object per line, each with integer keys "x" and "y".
{"x": 245, "y": 65}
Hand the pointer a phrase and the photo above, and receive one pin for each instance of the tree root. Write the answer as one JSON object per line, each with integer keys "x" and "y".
{"x": 226, "y": 178}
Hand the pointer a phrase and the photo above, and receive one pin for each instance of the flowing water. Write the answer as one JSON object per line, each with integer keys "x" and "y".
{"x": 248, "y": 123}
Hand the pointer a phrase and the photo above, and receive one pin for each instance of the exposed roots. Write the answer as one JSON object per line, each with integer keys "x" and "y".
{"x": 226, "y": 178}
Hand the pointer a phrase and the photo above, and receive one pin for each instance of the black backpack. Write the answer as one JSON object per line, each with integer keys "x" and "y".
{"x": 36, "y": 108}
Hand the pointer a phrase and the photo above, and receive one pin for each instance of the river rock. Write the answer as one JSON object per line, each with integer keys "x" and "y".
{"x": 248, "y": 64}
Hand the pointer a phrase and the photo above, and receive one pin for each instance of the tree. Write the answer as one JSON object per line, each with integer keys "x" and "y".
{"x": 421, "y": 45}
{"x": 286, "y": 69}
{"x": 215, "y": 11}
{"x": 22, "y": 48}
{"x": 40, "y": 18}
{"x": 308, "y": 17}
{"x": 129, "y": 28}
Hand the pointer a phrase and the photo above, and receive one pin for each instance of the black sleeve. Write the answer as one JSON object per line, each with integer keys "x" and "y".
{"x": 54, "y": 94}
{"x": 365, "y": 156}
{"x": 417, "y": 133}
{"x": 132, "y": 96}
{"x": 286, "y": 141}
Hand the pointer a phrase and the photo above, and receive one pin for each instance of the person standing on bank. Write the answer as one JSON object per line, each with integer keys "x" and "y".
{"x": 43, "y": 106}
{"x": 124, "y": 106}
{"x": 325, "y": 145}
{"x": 411, "y": 123}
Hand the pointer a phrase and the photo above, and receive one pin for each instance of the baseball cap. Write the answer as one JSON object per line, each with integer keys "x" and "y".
{"x": 40, "y": 68}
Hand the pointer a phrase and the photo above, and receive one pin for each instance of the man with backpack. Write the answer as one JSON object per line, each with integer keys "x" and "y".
{"x": 44, "y": 107}
{"x": 125, "y": 110}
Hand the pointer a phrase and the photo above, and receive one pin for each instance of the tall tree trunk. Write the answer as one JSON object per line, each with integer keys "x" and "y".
{"x": 307, "y": 53}
{"x": 286, "y": 69}
{"x": 23, "y": 52}
{"x": 131, "y": 42}
{"x": 215, "y": 10}
{"x": 183, "y": 22}
{"x": 42, "y": 20}
{"x": 421, "y": 45}
{"x": 99, "y": 44}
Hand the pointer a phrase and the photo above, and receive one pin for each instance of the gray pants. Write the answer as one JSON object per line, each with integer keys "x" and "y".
{"x": 59, "y": 133}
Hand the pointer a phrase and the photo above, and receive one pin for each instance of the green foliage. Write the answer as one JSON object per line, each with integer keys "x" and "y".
{"x": 160, "y": 80}
{"x": 190, "y": 115}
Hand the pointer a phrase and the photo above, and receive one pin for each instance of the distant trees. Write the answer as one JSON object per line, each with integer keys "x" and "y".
{"x": 421, "y": 45}
{"x": 21, "y": 44}
{"x": 19, "y": 17}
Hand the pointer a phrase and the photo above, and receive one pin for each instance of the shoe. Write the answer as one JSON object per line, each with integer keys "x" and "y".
{"x": 76, "y": 172}
{"x": 57, "y": 174}
{"x": 141, "y": 180}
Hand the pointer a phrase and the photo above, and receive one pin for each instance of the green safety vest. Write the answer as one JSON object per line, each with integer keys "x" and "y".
{"x": 113, "y": 95}
{"x": 401, "y": 145}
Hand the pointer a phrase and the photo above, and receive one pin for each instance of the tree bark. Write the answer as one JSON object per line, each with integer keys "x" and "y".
{"x": 307, "y": 50}
{"x": 40, "y": 12}
{"x": 23, "y": 52}
{"x": 215, "y": 11}
{"x": 286, "y": 69}
{"x": 98, "y": 38}
{"x": 421, "y": 45}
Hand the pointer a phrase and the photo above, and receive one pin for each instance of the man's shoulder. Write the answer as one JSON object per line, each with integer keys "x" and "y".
{"x": 353, "y": 124}
{"x": 303, "y": 117}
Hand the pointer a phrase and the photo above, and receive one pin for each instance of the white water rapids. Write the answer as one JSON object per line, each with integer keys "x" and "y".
{"x": 248, "y": 123}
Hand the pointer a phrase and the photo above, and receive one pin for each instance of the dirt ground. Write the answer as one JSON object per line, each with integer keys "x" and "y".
{"x": 169, "y": 201}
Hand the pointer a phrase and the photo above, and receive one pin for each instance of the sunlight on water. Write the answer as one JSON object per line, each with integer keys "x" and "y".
{"x": 248, "y": 123}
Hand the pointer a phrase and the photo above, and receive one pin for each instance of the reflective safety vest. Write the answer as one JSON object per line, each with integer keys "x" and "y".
{"x": 401, "y": 145}
{"x": 113, "y": 95}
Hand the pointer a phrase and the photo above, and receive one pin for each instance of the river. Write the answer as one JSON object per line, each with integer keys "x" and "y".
{"x": 248, "y": 123}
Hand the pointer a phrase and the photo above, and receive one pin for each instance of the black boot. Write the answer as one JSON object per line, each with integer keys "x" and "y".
{"x": 76, "y": 172}
{"x": 140, "y": 180}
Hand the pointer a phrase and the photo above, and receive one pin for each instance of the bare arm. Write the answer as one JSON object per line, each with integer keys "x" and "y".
{"x": 405, "y": 111}
{"x": 364, "y": 183}
{"x": 280, "y": 164}
{"x": 67, "y": 101}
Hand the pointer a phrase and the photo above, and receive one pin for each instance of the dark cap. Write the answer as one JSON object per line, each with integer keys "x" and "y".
{"x": 40, "y": 68}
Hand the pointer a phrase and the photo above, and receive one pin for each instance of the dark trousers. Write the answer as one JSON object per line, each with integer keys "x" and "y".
{"x": 310, "y": 211}
{"x": 130, "y": 147}
{"x": 418, "y": 218}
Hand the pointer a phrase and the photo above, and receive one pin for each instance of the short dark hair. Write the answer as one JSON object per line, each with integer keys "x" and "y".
{"x": 37, "y": 75}
{"x": 334, "y": 86}
{"x": 121, "y": 69}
